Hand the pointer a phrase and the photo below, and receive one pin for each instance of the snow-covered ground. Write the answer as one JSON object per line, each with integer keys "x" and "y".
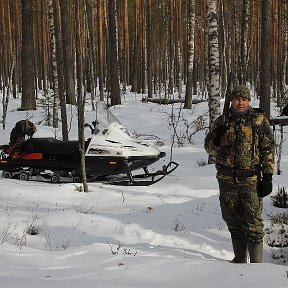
{"x": 170, "y": 234}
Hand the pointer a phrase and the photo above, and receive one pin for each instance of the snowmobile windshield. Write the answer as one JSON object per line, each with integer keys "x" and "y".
{"x": 104, "y": 117}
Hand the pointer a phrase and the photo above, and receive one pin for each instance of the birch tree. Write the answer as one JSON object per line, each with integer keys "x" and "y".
{"x": 59, "y": 64}
{"x": 189, "y": 84}
{"x": 55, "y": 71}
{"x": 80, "y": 92}
{"x": 213, "y": 62}
{"x": 54, "y": 65}
{"x": 244, "y": 39}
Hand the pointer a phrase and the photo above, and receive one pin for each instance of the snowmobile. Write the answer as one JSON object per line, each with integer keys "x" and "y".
{"x": 112, "y": 153}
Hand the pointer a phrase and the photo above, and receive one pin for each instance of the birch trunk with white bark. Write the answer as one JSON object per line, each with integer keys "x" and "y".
{"x": 189, "y": 85}
{"x": 213, "y": 62}
{"x": 54, "y": 65}
{"x": 244, "y": 40}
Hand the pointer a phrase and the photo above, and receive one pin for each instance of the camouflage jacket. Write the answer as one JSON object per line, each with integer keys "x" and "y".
{"x": 250, "y": 143}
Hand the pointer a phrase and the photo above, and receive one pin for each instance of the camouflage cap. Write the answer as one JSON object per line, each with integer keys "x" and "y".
{"x": 240, "y": 91}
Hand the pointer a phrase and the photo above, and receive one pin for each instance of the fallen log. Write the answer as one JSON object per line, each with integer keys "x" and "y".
{"x": 281, "y": 121}
{"x": 166, "y": 101}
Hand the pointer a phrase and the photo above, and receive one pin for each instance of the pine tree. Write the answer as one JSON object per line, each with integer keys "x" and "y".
{"x": 27, "y": 57}
{"x": 113, "y": 52}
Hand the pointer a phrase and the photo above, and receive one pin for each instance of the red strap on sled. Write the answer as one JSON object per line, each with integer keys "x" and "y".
{"x": 30, "y": 156}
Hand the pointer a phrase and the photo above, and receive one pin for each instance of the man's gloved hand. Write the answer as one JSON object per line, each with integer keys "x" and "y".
{"x": 265, "y": 185}
{"x": 219, "y": 131}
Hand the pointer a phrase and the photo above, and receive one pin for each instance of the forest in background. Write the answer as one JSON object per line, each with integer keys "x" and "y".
{"x": 158, "y": 48}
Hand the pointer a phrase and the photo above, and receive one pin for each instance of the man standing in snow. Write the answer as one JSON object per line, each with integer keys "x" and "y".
{"x": 244, "y": 151}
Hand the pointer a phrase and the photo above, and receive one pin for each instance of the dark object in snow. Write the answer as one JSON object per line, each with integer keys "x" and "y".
{"x": 281, "y": 121}
{"x": 110, "y": 151}
{"x": 284, "y": 111}
{"x": 22, "y": 128}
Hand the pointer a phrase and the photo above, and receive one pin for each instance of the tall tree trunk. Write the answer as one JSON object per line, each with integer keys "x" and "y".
{"x": 16, "y": 44}
{"x": 189, "y": 84}
{"x": 54, "y": 65}
{"x": 113, "y": 52}
{"x": 285, "y": 48}
{"x": 149, "y": 48}
{"x": 68, "y": 49}
{"x": 6, "y": 94}
{"x": 265, "y": 63}
{"x": 100, "y": 49}
{"x": 143, "y": 66}
{"x": 134, "y": 86}
{"x": 171, "y": 50}
{"x": 244, "y": 38}
{"x": 225, "y": 65}
{"x": 213, "y": 60}
{"x": 27, "y": 57}
{"x": 91, "y": 59}
{"x": 126, "y": 46}
{"x": 80, "y": 92}
{"x": 285, "y": 64}
{"x": 44, "y": 47}
{"x": 59, "y": 59}
{"x": 178, "y": 65}
{"x": 8, "y": 58}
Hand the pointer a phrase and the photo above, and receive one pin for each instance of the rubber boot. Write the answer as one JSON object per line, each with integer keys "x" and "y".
{"x": 240, "y": 250}
{"x": 255, "y": 252}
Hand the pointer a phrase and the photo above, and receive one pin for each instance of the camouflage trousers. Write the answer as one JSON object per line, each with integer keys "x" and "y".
{"x": 241, "y": 209}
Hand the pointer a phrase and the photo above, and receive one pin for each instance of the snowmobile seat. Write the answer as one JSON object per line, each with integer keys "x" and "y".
{"x": 49, "y": 146}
